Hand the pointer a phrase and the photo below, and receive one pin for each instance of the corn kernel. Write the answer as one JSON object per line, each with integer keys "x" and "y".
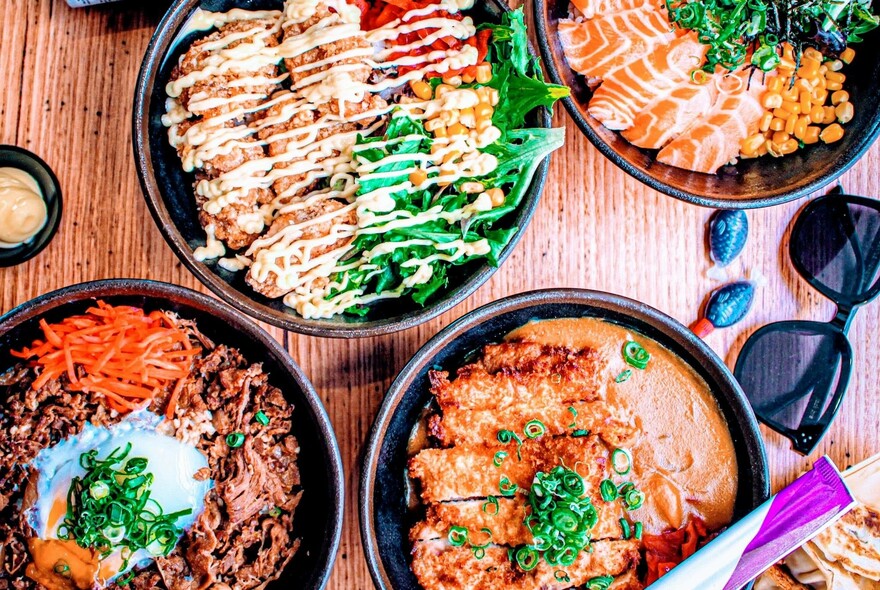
{"x": 483, "y": 111}
{"x": 806, "y": 103}
{"x": 433, "y": 124}
{"x": 833, "y": 85}
{"x": 457, "y": 129}
{"x": 800, "y": 128}
{"x": 848, "y": 54}
{"x": 442, "y": 89}
{"x": 777, "y": 124}
{"x": 830, "y": 115}
{"x": 786, "y": 64}
{"x": 771, "y": 100}
{"x": 790, "y": 124}
{"x": 792, "y": 107}
{"x": 496, "y": 195}
{"x": 467, "y": 78}
{"x": 440, "y": 132}
{"x": 454, "y": 80}
{"x": 819, "y": 96}
{"x": 839, "y": 97}
{"x": 774, "y": 85}
{"x": 831, "y": 133}
{"x": 835, "y": 77}
{"x": 811, "y": 135}
{"x": 781, "y": 137}
{"x": 809, "y": 69}
{"x": 418, "y": 177}
{"x": 422, "y": 89}
{"x": 790, "y": 94}
{"x": 787, "y": 147}
{"x": 812, "y": 54}
{"x": 835, "y": 65}
{"x": 764, "y": 124}
{"x": 468, "y": 118}
{"x": 484, "y": 73}
{"x": 751, "y": 144}
{"x": 472, "y": 187}
{"x": 450, "y": 157}
{"x": 844, "y": 112}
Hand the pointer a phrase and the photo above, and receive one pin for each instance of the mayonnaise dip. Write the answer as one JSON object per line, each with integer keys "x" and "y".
{"x": 22, "y": 208}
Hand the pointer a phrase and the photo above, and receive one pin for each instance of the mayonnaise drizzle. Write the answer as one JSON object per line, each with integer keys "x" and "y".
{"x": 287, "y": 256}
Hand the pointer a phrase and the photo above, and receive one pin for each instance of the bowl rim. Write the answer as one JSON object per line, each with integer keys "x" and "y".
{"x": 50, "y": 229}
{"x": 638, "y": 310}
{"x": 777, "y": 196}
{"x": 37, "y": 306}
{"x": 155, "y": 54}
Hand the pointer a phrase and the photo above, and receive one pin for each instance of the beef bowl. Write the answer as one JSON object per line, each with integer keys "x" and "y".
{"x": 153, "y": 438}
{"x": 556, "y": 439}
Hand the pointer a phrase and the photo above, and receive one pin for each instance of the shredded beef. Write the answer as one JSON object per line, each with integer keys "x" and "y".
{"x": 243, "y": 538}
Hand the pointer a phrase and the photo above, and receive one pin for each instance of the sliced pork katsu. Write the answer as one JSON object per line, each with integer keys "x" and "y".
{"x": 597, "y": 47}
{"x": 664, "y": 119}
{"x": 625, "y": 93}
{"x": 440, "y": 566}
{"x": 591, "y": 8}
{"x": 460, "y": 426}
{"x": 715, "y": 139}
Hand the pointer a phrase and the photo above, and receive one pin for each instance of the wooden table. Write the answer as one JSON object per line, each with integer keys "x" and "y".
{"x": 67, "y": 78}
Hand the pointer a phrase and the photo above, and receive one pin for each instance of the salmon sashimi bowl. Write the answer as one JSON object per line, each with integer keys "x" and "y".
{"x": 344, "y": 153}
{"x": 704, "y": 83}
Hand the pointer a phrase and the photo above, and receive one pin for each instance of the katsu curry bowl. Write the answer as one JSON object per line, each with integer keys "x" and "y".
{"x": 556, "y": 439}
{"x": 152, "y": 438}
{"x": 722, "y": 104}
{"x": 342, "y": 168}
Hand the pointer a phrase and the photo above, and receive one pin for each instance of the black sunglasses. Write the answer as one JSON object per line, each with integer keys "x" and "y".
{"x": 795, "y": 373}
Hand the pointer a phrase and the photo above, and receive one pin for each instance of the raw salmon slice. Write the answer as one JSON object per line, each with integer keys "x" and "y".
{"x": 597, "y": 47}
{"x": 628, "y": 90}
{"x": 590, "y": 8}
{"x": 664, "y": 119}
{"x": 714, "y": 140}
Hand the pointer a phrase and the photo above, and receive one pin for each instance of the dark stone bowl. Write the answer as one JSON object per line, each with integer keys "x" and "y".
{"x": 318, "y": 520}
{"x": 751, "y": 183}
{"x": 384, "y": 518}
{"x": 15, "y": 157}
{"x": 169, "y": 195}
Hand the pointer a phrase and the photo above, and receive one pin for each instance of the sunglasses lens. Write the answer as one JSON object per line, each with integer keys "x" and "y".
{"x": 837, "y": 245}
{"x": 791, "y": 373}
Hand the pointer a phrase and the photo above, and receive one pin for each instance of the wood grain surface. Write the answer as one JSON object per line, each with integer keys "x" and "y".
{"x": 67, "y": 78}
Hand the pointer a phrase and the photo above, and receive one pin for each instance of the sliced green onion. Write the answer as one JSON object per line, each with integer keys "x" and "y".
{"x": 235, "y": 440}
{"x": 580, "y": 432}
{"x": 506, "y": 487}
{"x": 600, "y": 583}
{"x": 625, "y": 487}
{"x": 574, "y": 484}
{"x": 608, "y": 490}
{"x": 457, "y": 536}
{"x": 99, "y": 490}
{"x": 527, "y": 558}
{"x": 621, "y": 461}
{"x": 261, "y": 417}
{"x": 499, "y": 458}
{"x": 565, "y": 520}
{"x": 637, "y": 531}
{"x": 624, "y": 525}
{"x": 633, "y": 499}
{"x": 534, "y": 428}
{"x": 635, "y": 355}
{"x": 479, "y": 552}
{"x": 490, "y": 502}
{"x": 561, "y": 576}
{"x": 623, "y": 376}
{"x": 62, "y": 569}
{"x": 508, "y": 436}
{"x": 574, "y": 415}
{"x": 275, "y": 512}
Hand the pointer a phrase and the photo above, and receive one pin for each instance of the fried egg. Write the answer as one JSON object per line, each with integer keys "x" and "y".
{"x": 173, "y": 464}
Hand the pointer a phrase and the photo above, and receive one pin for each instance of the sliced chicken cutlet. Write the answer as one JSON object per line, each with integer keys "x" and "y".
{"x": 458, "y": 426}
{"x": 506, "y": 523}
{"x": 469, "y": 471}
{"x": 310, "y": 226}
{"x": 539, "y": 385}
{"x": 219, "y": 85}
{"x": 597, "y": 47}
{"x": 223, "y": 155}
{"x": 715, "y": 139}
{"x": 439, "y": 566}
{"x": 628, "y": 90}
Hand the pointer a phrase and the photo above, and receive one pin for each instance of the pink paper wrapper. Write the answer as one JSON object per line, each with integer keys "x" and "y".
{"x": 787, "y": 520}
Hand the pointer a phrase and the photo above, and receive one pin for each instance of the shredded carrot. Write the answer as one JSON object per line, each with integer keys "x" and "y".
{"x": 118, "y": 352}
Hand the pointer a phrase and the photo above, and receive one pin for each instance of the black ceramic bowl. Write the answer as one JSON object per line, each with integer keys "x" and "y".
{"x": 15, "y": 157}
{"x": 169, "y": 195}
{"x": 751, "y": 183}
{"x": 384, "y": 518}
{"x": 318, "y": 519}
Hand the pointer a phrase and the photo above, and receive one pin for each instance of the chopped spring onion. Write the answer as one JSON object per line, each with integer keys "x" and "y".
{"x": 608, "y": 490}
{"x": 574, "y": 415}
{"x": 625, "y": 487}
{"x": 561, "y": 576}
{"x": 600, "y": 583}
{"x": 490, "y": 502}
{"x": 534, "y": 428}
{"x": 580, "y": 432}
{"x": 623, "y": 376}
{"x": 527, "y": 558}
{"x": 621, "y": 461}
{"x": 506, "y": 487}
{"x": 235, "y": 440}
{"x": 458, "y": 536}
{"x": 633, "y": 499}
{"x": 275, "y": 512}
{"x": 499, "y": 458}
{"x": 61, "y": 568}
{"x": 261, "y": 417}
{"x": 99, "y": 490}
{"x": 635, "y": 355}
{"x": 507, "y": 436}
{"x": 624, "y": 525}
{"x": 637, "y": 530}
{"x": 479, "y": 552}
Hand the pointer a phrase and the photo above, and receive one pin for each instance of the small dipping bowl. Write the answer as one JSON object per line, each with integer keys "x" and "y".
{"x": 15, "y": 157}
